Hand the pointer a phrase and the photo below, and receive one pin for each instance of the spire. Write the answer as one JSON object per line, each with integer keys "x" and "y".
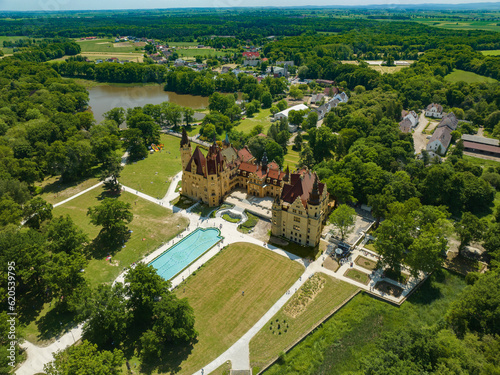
{"x": 226, "y": 141}
{"x": 264, "y": 160}
{"x": 314, "y": 195}
{"x": 184, "y": 139}
{"x": 287, "y": 174}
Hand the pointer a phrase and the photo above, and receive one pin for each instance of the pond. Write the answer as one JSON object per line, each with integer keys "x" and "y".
{"x": 104, "y": 98}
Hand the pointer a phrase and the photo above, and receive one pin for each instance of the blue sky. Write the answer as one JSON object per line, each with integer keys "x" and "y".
{"x": 45, "y": 5}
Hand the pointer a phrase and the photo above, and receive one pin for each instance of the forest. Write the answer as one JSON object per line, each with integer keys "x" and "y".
{"x": 46, "y": 131}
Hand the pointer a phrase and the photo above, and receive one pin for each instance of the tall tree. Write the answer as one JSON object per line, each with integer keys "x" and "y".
{"x": 343, "y": 219}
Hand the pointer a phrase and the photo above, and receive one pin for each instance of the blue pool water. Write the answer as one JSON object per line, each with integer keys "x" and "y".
{"x": 183, "y": 253}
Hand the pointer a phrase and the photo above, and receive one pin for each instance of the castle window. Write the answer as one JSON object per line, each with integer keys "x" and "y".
{"x": 296, "y": 219}
{"x": 296, "y": 227}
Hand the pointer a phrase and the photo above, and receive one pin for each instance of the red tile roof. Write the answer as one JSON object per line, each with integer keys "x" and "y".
{"x": 245, "y": 155}
{"x": 481, "y": 147}
{"x": 300, "y": 186}
{"x": 199, "y": 160}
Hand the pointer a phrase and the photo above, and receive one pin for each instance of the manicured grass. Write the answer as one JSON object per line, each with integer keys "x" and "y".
{"x": 182, "y": 202}
{"x": 461, "y": 75}
{"x": 249, "y": 224}
{"x": 358, "y": 276}
{"x": 152, "y": 175}
{"x": 387, "y": 69}
{"x": 153, "y": 223}
{"x": 267, "y": 345}
{"x": 295, "y": 248}
{"x": 106, "y": 46}
{"x": 203, "y": 209}
{"x": 261, "y": 118}
{"x": 222, "y": 313}
{"x": 230, "y": 219}
{"x": 291, "y": 159}
{"x": 223, "y": 369}
{"x": 370, "y": 246}
{"x": 493, "y": 52}
{"x": 339, "y": 345}
{"x": 54, "y": 191}
{"x": 366, "y": 263}
{"x": 481, "y": 162}
{"x": 204, "y": 52}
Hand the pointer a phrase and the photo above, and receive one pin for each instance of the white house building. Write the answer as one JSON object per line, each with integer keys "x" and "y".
{"x": 434, "y": 110}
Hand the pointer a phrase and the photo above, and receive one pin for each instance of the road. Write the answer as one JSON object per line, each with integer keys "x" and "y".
{"x": 419, "y": 139}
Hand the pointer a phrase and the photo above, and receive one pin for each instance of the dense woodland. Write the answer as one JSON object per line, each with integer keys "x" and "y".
{"x": 359, "y": 152}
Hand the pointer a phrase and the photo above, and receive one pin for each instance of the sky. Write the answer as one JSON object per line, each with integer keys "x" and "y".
{"x": 56, "y": 5}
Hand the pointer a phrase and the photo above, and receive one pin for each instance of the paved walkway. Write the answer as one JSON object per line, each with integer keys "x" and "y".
{"x": 238, "y": 353}
{"x": 78, "y": 194}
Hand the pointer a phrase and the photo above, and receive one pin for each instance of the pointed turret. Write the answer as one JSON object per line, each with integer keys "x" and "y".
{"x": 226, "y": 141}
{"x": 264, "y": 161}
{"x": 184, "y": 139}
{"x": 314, "y": 197}
{"x": 287, "y": 174}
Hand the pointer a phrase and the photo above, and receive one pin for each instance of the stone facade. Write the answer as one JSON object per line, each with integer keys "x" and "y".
{"x": 301, "y": 201}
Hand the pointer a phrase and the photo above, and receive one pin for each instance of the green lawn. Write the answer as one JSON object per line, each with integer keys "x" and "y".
{"x": 358, "y": 276}
{"x": 153, "y": 223}
{"x": 262, "y": 118}
{"x": 366, "y": 263}
{"x": 291, "y": 158}
{"x": 341, "y": 343}
{"x": 54, "y": 191}
{"x": 222, "y": 313}
{"x": 493, "y": 52}
{"x": 106, "y": 46}
{"x": 249, "y": 223}
{"x": 268, "y": 343}
{"x": 204, "y": 52}
{"x": 461, "y": 75}
{"x": 482, "y": 162}
{"x": 152, "y": 175}
{"x": 223, "y": 369}
{"x": 230, "y": 219}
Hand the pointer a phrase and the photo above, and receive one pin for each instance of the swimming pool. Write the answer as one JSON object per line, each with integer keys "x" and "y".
{"x": 183, "y": 253}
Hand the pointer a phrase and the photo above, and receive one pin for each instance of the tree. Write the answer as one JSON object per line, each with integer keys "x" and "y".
{"x": 174, "y": 320}
{"x": 282, "y": 105}
{"x": 274, "y": 152}
{"x": 145, "y": 287}
{"x": 296, "y": 117}
{"x": 188, "y": 115}
{"x": 150, "y": 131}
{"x": 296, "y": 93}
{"x": 470, "y": 229}
{"x": 110, "y": 173}
{"x": 134, "y": 144}
{"x": 115, "y": 114}
{"x": 113, "y": 215}
{"x": 306, "y": 157}
{"x": 107, "y": 323}
{"x": 343, "y": 219}
{"x": 85, "y": 359}
{"x": 341, "y": 189}
{"x": 10, "y": 211}
{"x": 63, "y": 235}
{"x": 477, "y": 309}
{"x": 266, "y": 99}
{"x": 297, "y": 142}
{"x": 311, "y": 120}
{"x": 36, "y": 211}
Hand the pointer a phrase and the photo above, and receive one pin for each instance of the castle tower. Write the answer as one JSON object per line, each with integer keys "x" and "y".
{"x": 185, "y": 149}
{"x": 315, "y": 215}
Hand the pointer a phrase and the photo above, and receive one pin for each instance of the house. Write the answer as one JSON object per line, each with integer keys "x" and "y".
{"x": 284, "y": 113}
{"x": 251, "y": 55}
{"x": 316, "y": 98}
{"x": 300, "y": 199}
{"x": 285, "y": 63}
{"x": 279, "y": 72}
{"x": 251, "y": 62}
{"x": 324, "y": 82}
{"x": 441, "y": 137}
{"x": 409, "y": 121}
{"x": 179, "y": 62}
{"x": 331, "y": 91}
{"x": 481, "y": 145}
{"x": 434, "y": 110}
{"x": 342, "y": 97}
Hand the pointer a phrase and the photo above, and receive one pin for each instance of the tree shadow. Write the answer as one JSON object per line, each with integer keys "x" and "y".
{"x": 109, "y": 194}
{"x": 170, "y": 359}
{"x": 428, "y": 291}
{"x": 108, "y": 243}
{"x": 56, "y": 322}
{"x": 30, "y": 305}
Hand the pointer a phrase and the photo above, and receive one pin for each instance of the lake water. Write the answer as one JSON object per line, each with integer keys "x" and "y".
{"x": 104, "y": 98}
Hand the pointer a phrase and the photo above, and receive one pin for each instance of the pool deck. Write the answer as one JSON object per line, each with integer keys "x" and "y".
{"x": 238, "y": 353}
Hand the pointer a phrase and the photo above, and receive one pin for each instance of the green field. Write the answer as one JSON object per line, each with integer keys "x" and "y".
{"x": 268, "y": 343}
{"x": 461, "y": 75}
{"x": 153, "y": 223}
{"x": 204, "y": 52}
{"x": 463, "y": 25}
{"x": 357, "y": 275}
{"x": 291, "y": 158}
{"x": 106, "y": 46}
{"x": 9, "y": 51}
{"x": 340, "y": 344}
{"x": 493, "y": 52}
{"x": 55, "y": 191}
{"x": 262, "y": 118}
{"x": 222, "y": 313}
{"x": 152, "y": 175}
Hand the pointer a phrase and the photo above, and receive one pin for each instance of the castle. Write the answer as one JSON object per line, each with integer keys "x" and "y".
{"x": 301, "y": 200}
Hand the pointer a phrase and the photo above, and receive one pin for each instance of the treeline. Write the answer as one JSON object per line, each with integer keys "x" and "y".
{"x": 45, "y": 50}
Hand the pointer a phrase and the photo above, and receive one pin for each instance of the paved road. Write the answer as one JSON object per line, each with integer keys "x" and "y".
{"x": 419, "y": 139}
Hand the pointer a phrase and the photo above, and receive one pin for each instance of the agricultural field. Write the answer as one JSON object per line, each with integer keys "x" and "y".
{"x": 317, "y": 298}
{"x": 261, "y": 118}
{"x": 463, "y": 25}
{"x": 222, "y": 313}
{"x": 204, "y": 52}
{"x": 291, "y": 159}
{"x": 387, "y": 69}
{"x": 493, "y": 52}
{"x": 461, "y": 75}
{"x": 108, "y": 45}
